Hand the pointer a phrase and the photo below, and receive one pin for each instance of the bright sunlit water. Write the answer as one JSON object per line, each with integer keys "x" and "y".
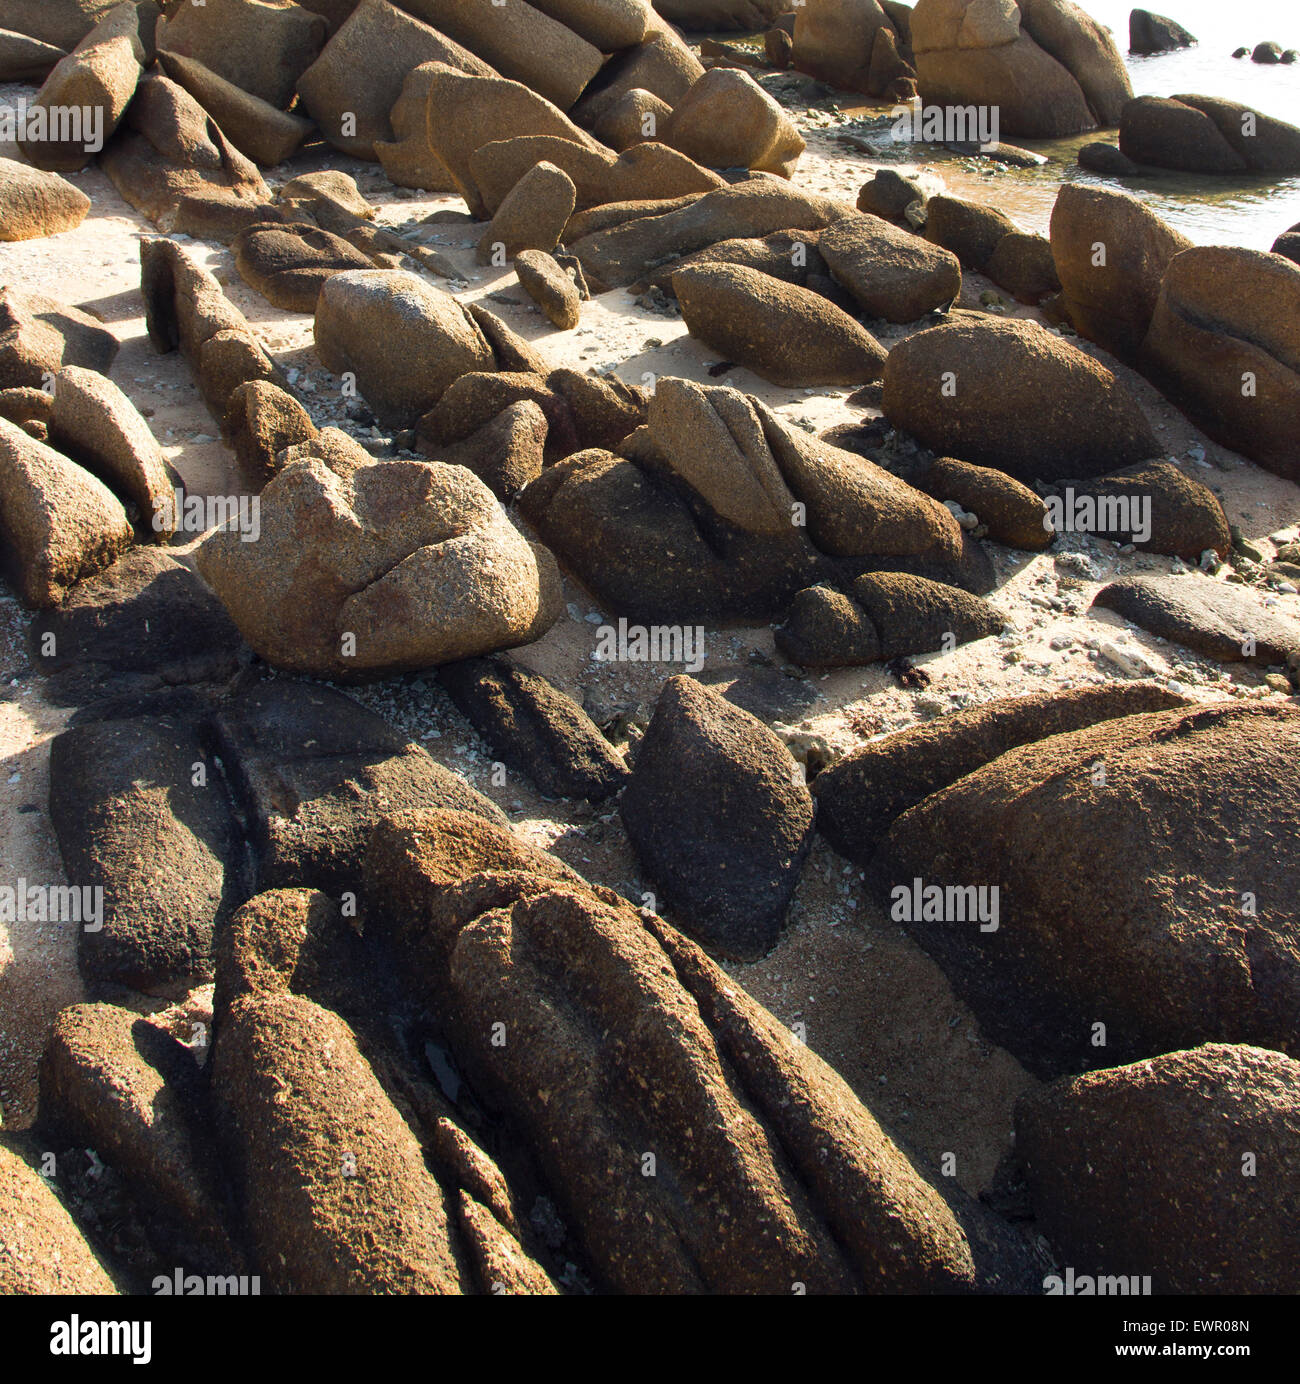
{"x": 1210, "y": 210}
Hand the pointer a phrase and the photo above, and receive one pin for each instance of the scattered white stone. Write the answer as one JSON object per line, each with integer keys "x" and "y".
{"x": 1131, "y": 661}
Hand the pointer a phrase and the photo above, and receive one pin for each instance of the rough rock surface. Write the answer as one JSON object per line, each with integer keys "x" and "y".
{"x": 1142, "y": 1170}
{"x": 720, "y": 819}
{"x": 1143, "y": 866}
{"x": 1211, "y": 617}
{"x": 971, "y": 389}
{"x": 368, "y": 568}
{"x": 860, "y": 796}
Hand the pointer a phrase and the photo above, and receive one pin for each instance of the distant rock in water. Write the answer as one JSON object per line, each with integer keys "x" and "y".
{"x": 1206, "y": 134}
{"x": 1155, "y": 33}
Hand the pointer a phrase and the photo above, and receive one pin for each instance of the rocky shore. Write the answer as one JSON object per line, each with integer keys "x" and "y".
{"x": 608, "y": 687}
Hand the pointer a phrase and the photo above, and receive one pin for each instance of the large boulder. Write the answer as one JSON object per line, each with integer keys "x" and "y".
{"x": 141, "y": 814}
{"x": 315, "y": 771}
{"x": 640, "y": 548}
{"x": 170, "y": 154}
{"x": 34, "y": 203}
{"x": 1206, "y": 134}
{"x": 26, "y": 59}
{"x": 1179, "y": 1172}
{"x": 408, "y": 158}
{"x": 1268, "y": 145}
{"x": 1154, "y": 33}
{"x": 290, "y": 264}
{"x": 647, "y": 173}
{"x": 255, "y": 127}
{"x": 765, "y": 477}
{"x": 721, "y": 511}
{"x": 619, "y": 256}
{"x": 1111, "y": 252}
{"x": 1046, "y": 66}
{"x": 535, "y": 728}
{"x": 61, "y": 22}
{"x": 531, "y": 47}
{"x": 1012, "y": 513}
{"x": 718, "y": 814}
{"x": 330, "y": 1178}
{"x": 834, "y": 40}
{"x": 45, "y": 1253}
{"x": 145, "y": 623}
{"x": 1221, "y": 621}
{"x": 883, "y": 615}
{"x": 861, "y": 796}
{"x": 1167, "y": 133}
{"x": 387, "y": 44}
{"x": 1224, "y": 344}
{"x": 39, "y": 336}
{"x": 112, "y": 1081}
{"x": 85, "y": 96}
{"x": 973, "y": 388}
{"x": 890, "y": 273}
{"x": 705, "y": 16}
{"x": 1143, "y": 870}
{"x": 970, "y": 230}
{"x": 532, "y": 216}
{"x": 687, "y": 1144}
{"x": 57, "y": 521}
{"x": 1086, "y": 48}
{"x": 663, "y": 64}
{"x": 467, "y": 110}
{"x": 608, "y": 25}
{"x": 186, "y": 309}
{"x": 726, "y": 120}
{"x": 787, "y": 334}
{"x": 97, "y": 426}
{"x": 402, "y": 339}
{"x": 367, "y": 568}
{"x": 261, "y": 47}
{"x": 1155, "y": 505}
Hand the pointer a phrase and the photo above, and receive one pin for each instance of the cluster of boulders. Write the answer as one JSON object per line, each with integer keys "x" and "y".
{"x": 82, "y": 479}
{"x": 437, "y": 1058}
{"x": 1268, "y": 53}
{"x": 1048, "y": 68}
{"x": 1215, "y": 327}
{"x": 1196, "y": 134}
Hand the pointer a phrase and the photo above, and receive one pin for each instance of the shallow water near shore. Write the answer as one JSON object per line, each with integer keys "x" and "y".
{"x": 1247, "y": 211}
